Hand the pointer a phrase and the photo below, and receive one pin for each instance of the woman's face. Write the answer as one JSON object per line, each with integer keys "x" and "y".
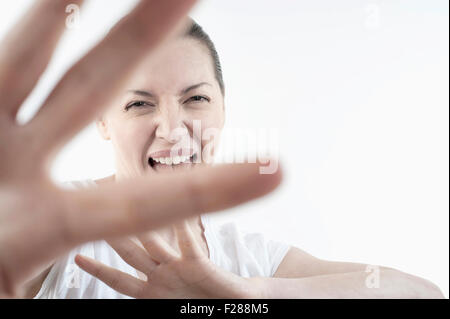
{"x": 169, "y": 104}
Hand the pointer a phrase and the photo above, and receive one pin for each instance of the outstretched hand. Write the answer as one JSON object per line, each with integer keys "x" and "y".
{"x": 39, "y": 221}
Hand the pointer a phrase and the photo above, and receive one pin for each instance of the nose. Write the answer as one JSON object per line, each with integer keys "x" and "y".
{"x": 169, "y": 124}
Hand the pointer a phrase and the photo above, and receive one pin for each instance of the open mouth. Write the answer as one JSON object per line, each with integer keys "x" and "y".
{"x": 171, "y": 162}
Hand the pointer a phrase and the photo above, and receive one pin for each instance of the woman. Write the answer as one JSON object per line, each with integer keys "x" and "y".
{"x": 152, "y": 131}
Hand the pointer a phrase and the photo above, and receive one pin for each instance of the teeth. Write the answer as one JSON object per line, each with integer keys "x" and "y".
{"x": 185, "y": 158}
{"x": 175, "y": 160}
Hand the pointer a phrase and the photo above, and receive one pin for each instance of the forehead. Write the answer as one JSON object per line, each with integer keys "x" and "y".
{"x": 179, "y": 63}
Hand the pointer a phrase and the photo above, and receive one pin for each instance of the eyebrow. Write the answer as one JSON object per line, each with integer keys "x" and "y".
{"x": 193, "y": 87}
{"x": 141, "y": 93}
{"x": 184, "y": 91}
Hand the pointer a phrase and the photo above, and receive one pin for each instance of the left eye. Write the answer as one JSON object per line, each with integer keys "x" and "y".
{"x": 198, "y": 98}
{"x": 137, "y": 104}
{"x": 140, "y": 103}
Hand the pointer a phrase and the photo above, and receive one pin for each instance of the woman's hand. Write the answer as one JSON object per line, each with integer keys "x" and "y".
{"x": 167, "y": 273}
{"x": 39, "y": 221}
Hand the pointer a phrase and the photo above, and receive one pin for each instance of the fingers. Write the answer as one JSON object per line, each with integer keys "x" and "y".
{"x": 90, "y": 85}
{"x": 186, "y": 240}
{"x": 133, "y": 254}
{"x": 26, "y": 51}
{"x": 116, "y": 279}
{"x": 144, "y": 203}
{"x": 157, "y": 247}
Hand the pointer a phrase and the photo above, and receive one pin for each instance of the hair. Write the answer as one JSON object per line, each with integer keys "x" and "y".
{"x": 195, "y": 31}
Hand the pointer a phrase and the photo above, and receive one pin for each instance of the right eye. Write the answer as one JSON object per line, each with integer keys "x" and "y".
{"x": 138, "y": 104}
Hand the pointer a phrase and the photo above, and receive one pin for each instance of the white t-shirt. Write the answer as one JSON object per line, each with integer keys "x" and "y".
{"x": 247, "y": 255}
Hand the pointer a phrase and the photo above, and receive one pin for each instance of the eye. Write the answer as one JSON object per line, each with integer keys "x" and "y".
{"x": 137, "y": 104}
{"x": 197, "y": 98}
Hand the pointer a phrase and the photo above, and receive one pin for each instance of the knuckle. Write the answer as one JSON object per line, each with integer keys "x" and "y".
{"x": 127, "y": 254}
{"x": 150, "y": 246}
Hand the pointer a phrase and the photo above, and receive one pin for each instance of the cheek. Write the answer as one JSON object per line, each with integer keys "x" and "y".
{"x": 130, "y": 138}
{"x": 211, "y": 128}
{"x": 208, "y": 119}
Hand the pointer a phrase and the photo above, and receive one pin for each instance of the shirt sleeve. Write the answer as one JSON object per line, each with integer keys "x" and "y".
{"x": 269, "y": 253}
{"x": 244, "y": 253}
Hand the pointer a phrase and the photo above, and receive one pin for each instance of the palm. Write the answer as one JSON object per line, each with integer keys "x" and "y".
{"x": 39, "y": 221}
{"x": 195, "y": 278}
{"x": 178, "y": 275}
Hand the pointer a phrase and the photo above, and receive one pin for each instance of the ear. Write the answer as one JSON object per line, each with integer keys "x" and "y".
{"x": 102, "y": 127}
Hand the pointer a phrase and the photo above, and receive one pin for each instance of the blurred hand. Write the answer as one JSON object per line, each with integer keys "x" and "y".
{"x": 38, "y": 220}
{"x": 168, "y": 273}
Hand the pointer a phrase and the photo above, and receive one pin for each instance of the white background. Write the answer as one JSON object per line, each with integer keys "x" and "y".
{"x": 358, "y": 91}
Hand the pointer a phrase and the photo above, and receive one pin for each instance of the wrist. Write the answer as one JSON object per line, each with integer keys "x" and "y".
{"x": 258, "y": 288}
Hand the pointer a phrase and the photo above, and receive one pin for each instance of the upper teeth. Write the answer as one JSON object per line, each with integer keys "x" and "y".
{"x": 172, "y": 160}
